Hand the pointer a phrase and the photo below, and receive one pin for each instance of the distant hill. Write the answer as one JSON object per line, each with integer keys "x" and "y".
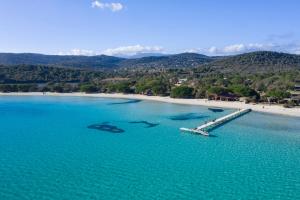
{"x": 44, "y": 74}
{"x": 101, "y": 61}
{"x": 172, "y": 61}
{"x": 142, "y": 55}
{"x": 261, "y": 61}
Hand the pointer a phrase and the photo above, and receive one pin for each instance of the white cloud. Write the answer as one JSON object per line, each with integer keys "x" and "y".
{"x": 244, "y": 48}
{"x": 240, "y": 48}
{"x": 297, "y": 51}
{"x": 295, "y": 48}
{"x": 212, "y": 50}
{"x": 119, "y": 51}
{"x": 195, "y": 50}
{"x": 112, "y": 6}
{"x": 78, "y": 52}
{"x": 132, "y": 50}
{"x": 234, "y": 49}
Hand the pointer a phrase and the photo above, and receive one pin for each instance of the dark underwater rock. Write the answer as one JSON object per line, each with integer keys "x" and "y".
{"x": 216, "y": 109}
{"x": 126, "y": 102}
{"x": 149, "y": 125}
{"x": 187, "y": 116}
{"x": 106, "y": 127}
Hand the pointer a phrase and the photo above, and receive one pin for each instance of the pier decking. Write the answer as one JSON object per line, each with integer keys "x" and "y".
{"x": 203, "y": 129}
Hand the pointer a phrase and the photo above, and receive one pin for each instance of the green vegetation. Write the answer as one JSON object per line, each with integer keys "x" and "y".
{"x": 66, "y": 61}
{"x": 120, "y": 87}
{"x": 44, "y": 74}
{"x": 88, "y": 88}
{"x": 18, "y": 88}
{"x": 159, "y": 87}
{"x": 243, "y": 91}
{"x": 182, "y": 92}
{"x": 278, "y": 94}
{"x": 269, "y": 79}
{"x": 217, "y": 90}
{"x": 255, "y": 62}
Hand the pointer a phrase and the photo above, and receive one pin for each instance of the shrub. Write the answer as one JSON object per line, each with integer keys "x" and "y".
{"x": 218, "y": 90}
{"x": 244, "y": 91}
{"x": 88, "y": 88}
{"x": 182, "y": 92}
{"x": 278, "y": 94}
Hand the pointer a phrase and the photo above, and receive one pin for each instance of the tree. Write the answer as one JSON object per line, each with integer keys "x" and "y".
{"x": 88, "y": 88}
{"x": 27, "y": 88}
{"x": 141, "y": 86}
{"x": 121, "y": 87}
{"x": 278, "y": 94}
{"x": 157, "y": 86}
{"x": 237, "y": 80}
{"x": 8, "y": 88}
{"x": 218, "y": 90}
{"x": 182, "y": 92}
{"x": 243, "y": 91}
{"x": 58, "y": 88}
{"x": 200, "y": 92}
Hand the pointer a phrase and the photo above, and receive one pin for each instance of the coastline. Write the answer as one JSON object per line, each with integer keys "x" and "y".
{"x": 272, "y": 109}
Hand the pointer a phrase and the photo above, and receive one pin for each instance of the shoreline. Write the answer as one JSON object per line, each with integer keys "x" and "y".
{"x": 272, "y": 109}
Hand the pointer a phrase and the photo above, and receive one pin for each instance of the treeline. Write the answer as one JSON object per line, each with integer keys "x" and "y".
{"x": 153, "y": 87}
{"x": 60, "y": 88}
{"x": 254, "y": 62}
{"x": 257, "y": 62}
{"x": 255, "y": 89}
{"x": 177, "y": 83}
{"x": 45, "y": 74}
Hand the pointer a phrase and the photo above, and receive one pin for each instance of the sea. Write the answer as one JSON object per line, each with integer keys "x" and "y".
{"x": 54, "y": 148}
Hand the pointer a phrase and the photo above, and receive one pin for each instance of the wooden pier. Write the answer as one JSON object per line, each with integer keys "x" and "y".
{"x": 203, "y": 129}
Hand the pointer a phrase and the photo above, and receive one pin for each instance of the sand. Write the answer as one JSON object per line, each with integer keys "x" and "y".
{"x": 272, "y": 109}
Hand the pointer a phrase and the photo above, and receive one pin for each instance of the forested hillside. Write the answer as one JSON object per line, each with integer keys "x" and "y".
{"x": 257, "y": 62}
{"x": 257, "y": 76}
{"x": 263, "y": 61}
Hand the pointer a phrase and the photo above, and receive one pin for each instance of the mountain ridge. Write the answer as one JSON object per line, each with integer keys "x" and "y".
{"x": 259, "y": 61}
{"x": 246, "y": 62}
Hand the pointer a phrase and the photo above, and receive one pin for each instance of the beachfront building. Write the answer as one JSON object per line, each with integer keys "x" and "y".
{"x": 181, "y": 81}
{"x": 223, "y": 97}
{"x": 295, "y": 97}
{"x": 148, "y": 92}
{"x": 297, "y": 86}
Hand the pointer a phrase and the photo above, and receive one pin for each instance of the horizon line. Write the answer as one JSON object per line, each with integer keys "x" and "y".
{"x": 157, "y": 54}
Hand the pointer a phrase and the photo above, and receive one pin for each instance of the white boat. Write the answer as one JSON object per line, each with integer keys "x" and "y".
{"x": 196, "y": 130}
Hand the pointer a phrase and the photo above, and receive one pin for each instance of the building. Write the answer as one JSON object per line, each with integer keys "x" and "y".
{"x": 297, "y": 88}
{"x": 223, "y": 97}
{"x": 295, "y": 96}
{"x": 181, "y": 81}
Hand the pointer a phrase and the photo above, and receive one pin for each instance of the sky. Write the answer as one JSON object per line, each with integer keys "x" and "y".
{"x": 128, "y": 27}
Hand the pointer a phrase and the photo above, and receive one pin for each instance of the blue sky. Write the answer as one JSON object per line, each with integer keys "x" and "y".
{"x": 126, "y": 27}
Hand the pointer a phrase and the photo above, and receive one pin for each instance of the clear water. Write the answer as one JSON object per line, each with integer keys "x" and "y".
{"x": 47, "y": 152}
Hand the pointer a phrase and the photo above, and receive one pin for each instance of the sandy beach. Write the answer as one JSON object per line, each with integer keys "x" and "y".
{"x": 272, "y": 109}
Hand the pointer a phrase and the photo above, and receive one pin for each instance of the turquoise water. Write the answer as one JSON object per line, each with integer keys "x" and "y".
{"x": 47, "y": 152}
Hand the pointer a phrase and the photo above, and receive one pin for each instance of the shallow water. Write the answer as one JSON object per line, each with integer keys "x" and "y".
{"x": 47, "y": 151}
